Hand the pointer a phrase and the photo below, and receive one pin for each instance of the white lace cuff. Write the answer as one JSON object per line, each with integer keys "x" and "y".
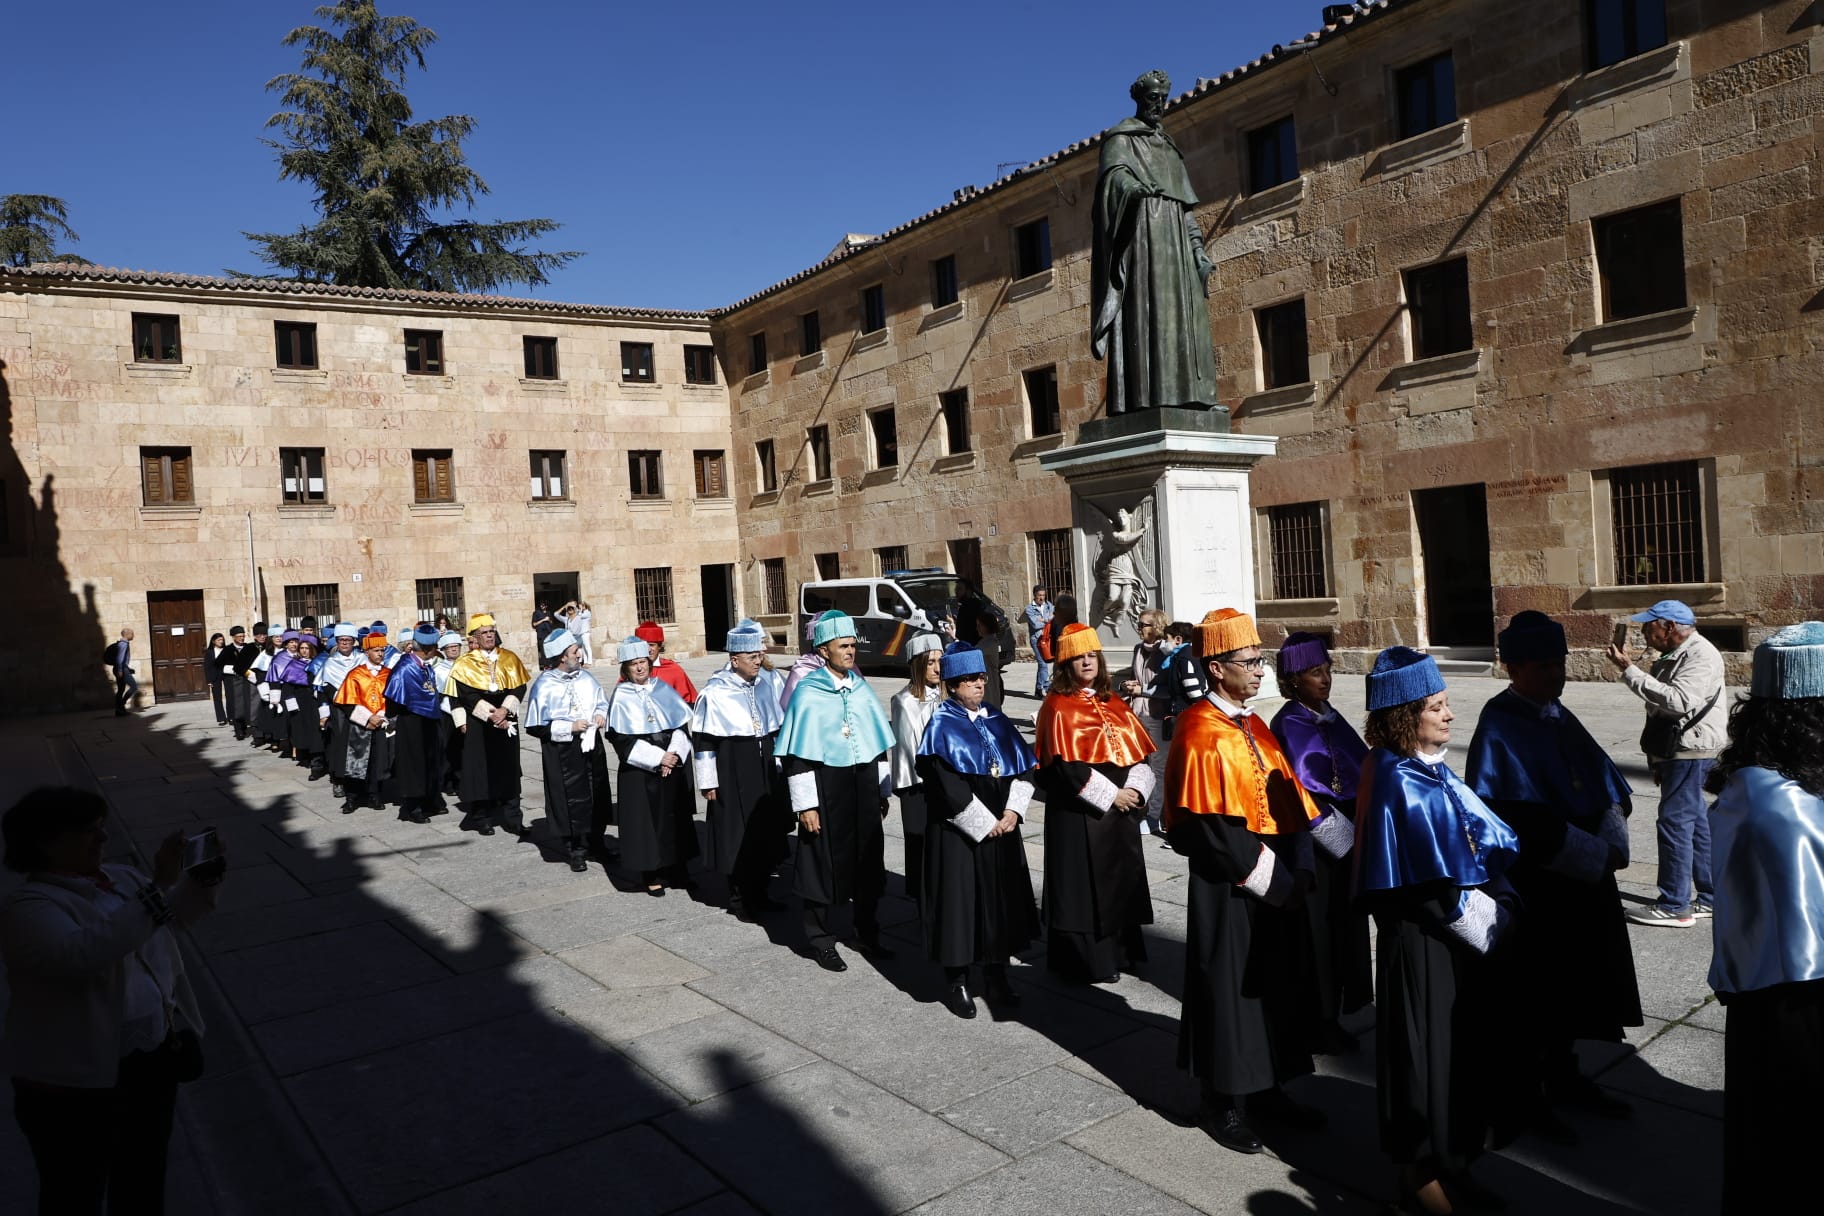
{"x": 1334, "y": 834}
{"x": 1479, "y": 921}
{"x": 1140, "y": 779}
{"x": 680, "y": 744}
{"x": 459, "y": 716}
{"x": 1019, "y": 797}
{"x": 1099, "y": 792}
{"x": 1267, "y": 880}
{"x": 562, "y": 732}
{"x": 645, "y": 755}
{"x": 707, "y": 776}
{"x": 803, "y": 787}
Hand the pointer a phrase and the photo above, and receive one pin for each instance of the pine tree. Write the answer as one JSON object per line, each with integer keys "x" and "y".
{"x": 30, "y": 227}
{"x": 386, "y": 186}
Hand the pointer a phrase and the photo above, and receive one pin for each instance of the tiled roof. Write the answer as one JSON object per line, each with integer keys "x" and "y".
{"x": 73, "y": 272}
{"x": 850, "y": 247}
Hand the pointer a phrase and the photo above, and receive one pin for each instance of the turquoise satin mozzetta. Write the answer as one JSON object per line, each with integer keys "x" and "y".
{"x": 838, "y": 726}
{"x": 1767, "y": 842}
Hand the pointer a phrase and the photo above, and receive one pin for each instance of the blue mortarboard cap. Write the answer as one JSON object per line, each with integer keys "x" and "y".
{"x": 830, "y": 626}
{"x": 1676, "y": 611}
{"x": 633, "y": 649}
{"x": 1402, "y": 674}
{"x": 425, "y": 635}
{"x": 746, "y": 638}
{"x": 1531, "y": 637}
{"x": 346, "y": 629}
{"x": 1790, "y": 664}
{"x": 962, "y": 659}
{"x": 377, "y": 627}
{"x": 558, "y": 641}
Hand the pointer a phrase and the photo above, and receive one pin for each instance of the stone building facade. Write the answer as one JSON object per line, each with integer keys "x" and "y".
{"x": 189, "y": 454}
{"x": 1526, "y": 291}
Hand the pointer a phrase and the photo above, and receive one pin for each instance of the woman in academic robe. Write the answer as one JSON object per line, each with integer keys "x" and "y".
{"x": 910, "y": 712}
{"x": 413, "y": 706}
{"x": 1430, "y": 856}
{"x": 449, "y": 740}
{"x": 649, "y": 728}
{"x": 366, "y": 758}
{"x": 1548, "y": 778}
{"x": 343, "y": 656}
{"x": 304, "y": 731}
{"x": 1767, "y": 832}
{"x": 567, "y": 712}
{"x": 733, "y": 727}
{"x": 1327, "y": 756}
{"x": 1093, "y": 750}
{"x": 271, "y": 731}
{"x": 978, "y": 776}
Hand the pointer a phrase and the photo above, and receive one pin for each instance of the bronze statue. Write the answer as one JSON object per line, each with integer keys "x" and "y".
{"x": 1148, "y": 295}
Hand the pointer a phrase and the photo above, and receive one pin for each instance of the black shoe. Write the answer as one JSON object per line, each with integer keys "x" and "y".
{"x": 870, "y": 948}
{"x": 1276, "y": 1106}
{"x": 1000, "y": 993}
{"x": 348, "y": 806}
{"x": 317, "y": 774}
{"x": 656, "y": 892}
{"x": 829, "y": 960}
{"x": 1227, "y": 1128}
{"x": 480, "y": 827}
{"x": 413, "y": 816}
{"x": 579, "y": 861}
{"x": 437, "y": 809}
{"x": 1113, "y": 977}
{"x": 958, "y": 1001}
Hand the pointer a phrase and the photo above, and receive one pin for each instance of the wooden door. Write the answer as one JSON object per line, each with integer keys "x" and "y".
{"x": 178, "y": 642}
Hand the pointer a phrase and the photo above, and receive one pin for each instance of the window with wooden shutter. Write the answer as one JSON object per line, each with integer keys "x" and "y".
{"x": 165, "y": 477}
{"x": 424, "y": 352}
{"x": 548, "y": 476}
{"x": 769, "y": 468}
{"x": 301, "y": 475}
{"x": 155, "y": 339}
{"x": 431, "y": 476}
{"x": 711, "y": 481}
{"x": 297, "y": 344}
{"x": 645, "y": 475}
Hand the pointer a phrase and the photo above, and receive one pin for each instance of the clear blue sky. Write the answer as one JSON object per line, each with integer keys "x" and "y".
{"x": 696, "y": 152}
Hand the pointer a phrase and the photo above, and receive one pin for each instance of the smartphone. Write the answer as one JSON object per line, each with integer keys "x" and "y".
{"x": 203, "y": 857}
{"x": 1620, "y": 636}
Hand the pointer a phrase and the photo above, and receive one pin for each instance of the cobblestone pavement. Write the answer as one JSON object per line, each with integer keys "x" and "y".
{"x": 407, "y": 1018}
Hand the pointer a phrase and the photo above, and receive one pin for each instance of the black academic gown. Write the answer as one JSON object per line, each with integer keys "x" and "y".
{"x": 417, "y": 775}
{"x": 1438, "y": 1040}
{"x": 847, "y": 858}
{"x": 1096, "y": 895}
{"x": 490, "y": 755}
{"x": 749, "y": 817}
{"x": 654, "y": 814}
{"x": 978, "y": 905}
{"x": 1247, "y": 1001}
{"x": 303, "y": 730}
{"x": 578, "y": 799}
{"x": 238, "y": 692}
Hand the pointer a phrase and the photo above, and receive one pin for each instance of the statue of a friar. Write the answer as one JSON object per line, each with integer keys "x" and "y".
{"x": 1148, "y": 297}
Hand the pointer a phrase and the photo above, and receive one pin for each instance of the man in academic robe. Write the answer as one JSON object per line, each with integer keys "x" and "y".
{"x": 413, "y": 705}
{"x": 1533, "y": 762}
{"x": 327, "y": 682}
{"x": 366, "y": 757}
{"x": 654, "y": 636}
{"x": 488, "y": 684}
{"x": 833, "y": 744}
{"x": 1234, "y": 807}
{"x": 235, "y": 660}
{"x": 567, "y": 712}
{"x": 450, "y": 647}
{"x": 733, "y": 725}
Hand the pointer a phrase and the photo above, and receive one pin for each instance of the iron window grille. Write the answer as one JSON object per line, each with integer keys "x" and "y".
{"x": 1296, "y": 535}
{"x": 1658, "y": 516}
{"x": 652, "y": 594}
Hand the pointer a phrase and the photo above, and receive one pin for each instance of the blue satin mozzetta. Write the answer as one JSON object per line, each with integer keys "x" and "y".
{"x": 986, "y": 746}
{"x": 728, "y": 707}
{"x": 1417, "y": 823}
{"x": 558, "y": 696}
{"x": 414, "y": 686}
{"x": 335, "y": 669}
{"x": 1519, "y": 756}
{"x": 1767, "y": 846}
{"x": 838, "y": 726}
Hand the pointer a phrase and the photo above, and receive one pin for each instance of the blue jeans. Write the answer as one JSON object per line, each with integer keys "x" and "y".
{"x": 1044, "y": 681}
{"x": 1684, "y": 833}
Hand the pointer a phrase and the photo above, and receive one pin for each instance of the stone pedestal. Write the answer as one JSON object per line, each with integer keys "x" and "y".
{"x": 1161, "y": 517}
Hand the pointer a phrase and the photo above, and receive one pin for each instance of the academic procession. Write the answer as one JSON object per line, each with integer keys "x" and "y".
{"x": 1464, "y": 890}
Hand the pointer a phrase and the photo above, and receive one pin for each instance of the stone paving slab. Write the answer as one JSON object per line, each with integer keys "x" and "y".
{"x": 821, "y": 1139}
{"x": 301, "y": 974}
{"x": 1058, "y": 1179}
{"x": 701, "y": 1057}
{"x": 1030, "y": 1113}
{"x": 460, "y": 1106}
{"x": 632, "y": 962}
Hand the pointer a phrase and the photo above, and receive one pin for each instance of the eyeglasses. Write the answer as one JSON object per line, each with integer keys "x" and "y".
{"x": 1257, "y": 663}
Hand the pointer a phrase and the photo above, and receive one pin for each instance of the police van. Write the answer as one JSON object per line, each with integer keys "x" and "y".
{"x": 889, "y": 610}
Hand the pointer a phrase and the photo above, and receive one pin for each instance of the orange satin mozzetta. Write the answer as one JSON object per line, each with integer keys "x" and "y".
{"x": 364, "y": 686}
{"x": 1084, "y": 729}
{"x": 1211, "y": 770}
